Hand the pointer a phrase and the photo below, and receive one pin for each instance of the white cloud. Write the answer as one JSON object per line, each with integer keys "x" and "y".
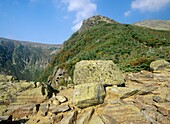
{"x": 149, "y": 5}
{"x": 127, "y": 13}
{"x": 83, "y": 9}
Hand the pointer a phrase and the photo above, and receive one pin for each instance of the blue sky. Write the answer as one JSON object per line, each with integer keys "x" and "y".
{"x": 53, "y": 21}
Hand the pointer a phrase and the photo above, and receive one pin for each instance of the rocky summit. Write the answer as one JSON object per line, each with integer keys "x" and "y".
{"x": 144, "y": 98}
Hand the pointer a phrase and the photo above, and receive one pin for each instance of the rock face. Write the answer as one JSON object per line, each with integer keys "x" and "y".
{"x": 97, "y": 71}
{"x": 90, "y": 94}
{"x": 159, "y": 64}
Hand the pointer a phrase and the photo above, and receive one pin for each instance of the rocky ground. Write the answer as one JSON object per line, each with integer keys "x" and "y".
{"x": 143, "y": 98}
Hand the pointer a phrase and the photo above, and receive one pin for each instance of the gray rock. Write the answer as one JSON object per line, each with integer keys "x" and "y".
{"x": 5, "y": 119}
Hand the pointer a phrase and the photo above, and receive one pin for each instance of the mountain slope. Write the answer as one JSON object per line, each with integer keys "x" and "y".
{"x": 24, "y": 60}
{"x": 155, "y": 24}
{"x": 131, "y": 47}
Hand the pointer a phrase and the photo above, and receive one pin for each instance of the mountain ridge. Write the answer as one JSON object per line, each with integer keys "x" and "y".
{"x": 131, "y": 47}
{"x": 29, "y": 42}
{"x": 154, "y": 24}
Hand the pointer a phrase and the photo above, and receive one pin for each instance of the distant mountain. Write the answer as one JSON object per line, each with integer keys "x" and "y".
{"x": 25, "y": 60}
{"x": 155, "y": 24}
{"x": 131, "y": 47}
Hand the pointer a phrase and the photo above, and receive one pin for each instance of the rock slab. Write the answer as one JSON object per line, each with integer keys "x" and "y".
{"x": 89, "y": 94}
{"x": 97, "y": 71}
{"x": 126, "y": 114}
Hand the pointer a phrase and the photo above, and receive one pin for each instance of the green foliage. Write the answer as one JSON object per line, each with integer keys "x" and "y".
{"x": 132, "y": 48}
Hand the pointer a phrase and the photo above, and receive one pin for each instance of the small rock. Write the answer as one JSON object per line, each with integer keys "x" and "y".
{"x": 38, "y": 84}
{"x": 157, "y": 99}
{"x": 85, "y": 117}
{"x": 61, "y": 108}
{"x": 69, "y": 118}
{"x": 122, "y": 92}
{"x": 5, "y": 119}
{"x": 114, "y": 102}
{"x": 61, "y": 98}
{"x": 168, "y": 97}
{"x": 128, "y": 94}
{"x": 54, "y": 101}
{"x": 147, "y": 90}
{"x": 44, "y": 109}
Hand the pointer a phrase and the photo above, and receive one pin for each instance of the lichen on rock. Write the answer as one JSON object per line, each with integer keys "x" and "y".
{"x": 97, "y": 71}
{"x": 90, "y": 94}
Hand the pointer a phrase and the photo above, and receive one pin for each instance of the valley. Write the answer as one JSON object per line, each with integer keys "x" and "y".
{"x": 25, "y": 60}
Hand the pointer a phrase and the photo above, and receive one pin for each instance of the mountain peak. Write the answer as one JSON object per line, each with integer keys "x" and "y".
{"x": 93, "y": 21}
